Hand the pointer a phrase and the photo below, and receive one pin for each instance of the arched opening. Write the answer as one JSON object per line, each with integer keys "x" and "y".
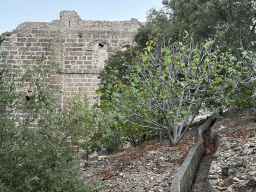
{"x": 69, "y": 23}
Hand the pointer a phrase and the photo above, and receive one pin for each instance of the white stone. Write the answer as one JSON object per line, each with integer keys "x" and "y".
{"x": 252, "y": 173}
{"x": 212, "y": 171}
{"x": 212, "y": 177}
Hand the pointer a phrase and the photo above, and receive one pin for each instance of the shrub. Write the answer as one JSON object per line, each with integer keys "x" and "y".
{"x": 32, "y": 155}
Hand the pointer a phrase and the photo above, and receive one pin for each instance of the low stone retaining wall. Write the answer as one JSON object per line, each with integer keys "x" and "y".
{"x": 183, "y": 180}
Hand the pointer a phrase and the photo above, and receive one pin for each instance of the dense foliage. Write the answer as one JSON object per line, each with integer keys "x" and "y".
{"x": 116, "y": 70}
{"x": 166, "y": 90}
{"x": 230, "y": 22}
{"x": 33, "y": 154}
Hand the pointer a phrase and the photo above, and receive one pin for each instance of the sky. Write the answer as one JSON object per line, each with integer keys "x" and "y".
{"x": 15, "y": 12}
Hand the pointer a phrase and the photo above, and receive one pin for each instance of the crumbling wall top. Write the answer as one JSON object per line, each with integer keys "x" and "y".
{"x": 70, "y": 20}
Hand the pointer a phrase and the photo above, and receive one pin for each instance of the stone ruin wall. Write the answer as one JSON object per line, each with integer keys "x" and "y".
{"x": 79, "y": 46}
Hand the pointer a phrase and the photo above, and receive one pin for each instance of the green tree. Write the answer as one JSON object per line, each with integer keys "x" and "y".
{"x": 86, "y": 127}
{"x": 167, "y": 90}
{"x": 230, "y": 22}
{"x": 158, "y": 22}
{"x": 116, "y": 69}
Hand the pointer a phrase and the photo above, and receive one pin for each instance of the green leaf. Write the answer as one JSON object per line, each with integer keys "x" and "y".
{"x": 248, "y": 93}
{"x": 121, "y": 85}
{"x": 149, "y": 48}
{"x": 144, "y": 58}
{"x": 98, "y": 92}
{"x": 244, "y": 53}
{"x": 163, "y": 92}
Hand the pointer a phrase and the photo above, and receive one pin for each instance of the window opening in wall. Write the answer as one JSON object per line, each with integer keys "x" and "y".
{"x": 101, "y": 45}
{"x": 69, "y": 23}
{"x": 28, "y": 96}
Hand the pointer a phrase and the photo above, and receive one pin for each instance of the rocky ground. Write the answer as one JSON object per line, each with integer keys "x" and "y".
{"x": 147, "y": 168}
{"x": 234, "y": 168}
{"x": 152, "y": 167}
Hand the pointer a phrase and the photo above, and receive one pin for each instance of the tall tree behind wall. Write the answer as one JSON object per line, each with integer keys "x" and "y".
{"x": 231, "y": 22}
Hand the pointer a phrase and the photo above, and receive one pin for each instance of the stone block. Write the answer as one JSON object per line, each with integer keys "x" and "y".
{"x": 87, "y": 62}
{"x": 69, "y": 58}
{"x": 24, "y": 49}
{"x": 14, "y": 52}
{"x": 40, "y": 35}
{"x": 20, "y": 44}
{"x": 74, "y": 93}
{"x": 68, "y": 80}
{"x": 22, "y": 40}
{"x": 36, "y": 44}
{"x": 44, "y": 40}
{"x": 66, "y": 93}
{"x": 46, "y": 44}
{"x": 28, "y": 57}
{"x": 39, "y": 53}
{"x": 55, "y": 78}
{"x": 11, "y": 61}
{"x": 21, "y": 35}
{"x": 81, "y": 40}
{"x": 88, "y": 84}
{"x": 29, "y": 40}
{"x": 71, "y": 40}
{"x": 27, "y": 53}
{"x": 77, "y": 44}
{"x": 89, "y": 58}
{"x": 25, "y": 61}
{"x": 74, "y": 49}
{"x": 6, "y": 43}
{"x": 76, "y": 53}
{"x": 69, "y": 84}
{"x": 83, "y": 89}
{"x": 8, "y": 48}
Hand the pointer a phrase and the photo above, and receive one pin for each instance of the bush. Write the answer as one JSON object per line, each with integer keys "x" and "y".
{"x": 32, "y": 155}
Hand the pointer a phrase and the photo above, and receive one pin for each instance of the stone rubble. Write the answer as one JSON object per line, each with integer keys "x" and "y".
{"x": 234, "y": 169}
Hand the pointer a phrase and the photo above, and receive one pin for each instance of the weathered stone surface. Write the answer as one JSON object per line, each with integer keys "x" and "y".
{"x": 79, "y": 46}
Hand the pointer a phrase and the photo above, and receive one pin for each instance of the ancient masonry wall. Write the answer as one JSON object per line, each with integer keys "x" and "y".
{"x": 79, "y": 46}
